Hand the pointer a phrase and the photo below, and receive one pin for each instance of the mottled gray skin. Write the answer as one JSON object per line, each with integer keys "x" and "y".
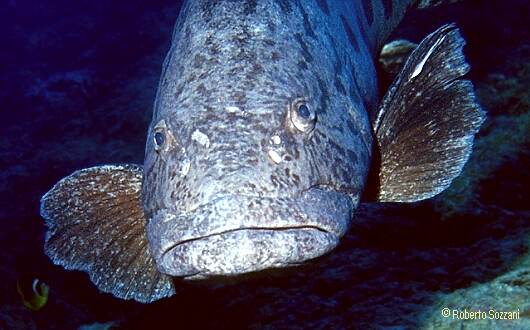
{"x": 235, "y": 186}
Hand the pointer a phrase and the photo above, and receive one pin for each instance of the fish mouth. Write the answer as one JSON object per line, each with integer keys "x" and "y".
{"x": 234, "y": 234}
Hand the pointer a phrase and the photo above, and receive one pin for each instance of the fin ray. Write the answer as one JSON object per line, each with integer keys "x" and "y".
{"x": 427, "y": 121}
{"x": 96, "y": 224}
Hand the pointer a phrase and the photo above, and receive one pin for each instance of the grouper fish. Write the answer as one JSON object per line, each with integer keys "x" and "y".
{"x": 267, "y": 128}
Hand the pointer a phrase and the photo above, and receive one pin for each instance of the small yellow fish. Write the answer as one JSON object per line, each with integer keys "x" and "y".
{"x": 34, "y": 292}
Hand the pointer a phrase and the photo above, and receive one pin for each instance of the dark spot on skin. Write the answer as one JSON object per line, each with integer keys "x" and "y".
{"x": 351, "y": 125}
{"x": 317, "y": 138}
{"x": 364, "y": 96}
{"x": 302, "y": 65}
{"x": 206, "y": 10}
{"x": 338, "y": 66}
{"x": 287, "y": 158}
{"x": 209, "y": 109}
{"x": 364, "y": 34}
{"x": 305, "y": 49}
{"x": 296, "y": 153}
{"x": 173, "y": 194}
{"x": 203, "y": 75}
{"x": 255, "y": 69}
{"x": 249, "y": 7}
{"x": 198, "y": 60}
{"x": 269, "y": 42}
{"x": 324, "y": 97}
{"x": 340, "y": 86}
{"x": 253, "y": 161}
{"x": 236, "y": 70}
{"x": 285, "y": 5}
{"x": 271, "y": 26}
{"x": 333, "y": 45}
{"x": 307, "y": 25}
{"x": 349, "y": 33}
{"x": 354, "y": 87}
{"x": 387, "y": 5}
{"x": 187, "y": 35}
{"x": 296, "y": 178}
{"x": 173, "y": 174}
{"x": 201, "y": 90}
{"x": 352, "y": 157}
{"x": 213, "y": 49}
{"x": 323, "y": 4}
{"x": 240, "y": 98}
{"x": 275, "y": 181}
{"x": 337, "y": 148}
{"x": 178, "y": 90}
{"x": 368, "y": 11}
{"x": 275, "y": 56}
{"x": 191, "y": 77}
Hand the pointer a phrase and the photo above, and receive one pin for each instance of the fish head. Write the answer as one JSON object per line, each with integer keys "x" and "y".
{"x": 247, "y": 166}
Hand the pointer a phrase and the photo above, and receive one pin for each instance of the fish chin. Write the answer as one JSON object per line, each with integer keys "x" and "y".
{"x": 236, "y": 234}
{"x": 245, "y": 250}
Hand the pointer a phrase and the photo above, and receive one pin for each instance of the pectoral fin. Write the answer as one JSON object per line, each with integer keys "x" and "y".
{"x": 427, "y": 121}
{"x": 96, "y": 224}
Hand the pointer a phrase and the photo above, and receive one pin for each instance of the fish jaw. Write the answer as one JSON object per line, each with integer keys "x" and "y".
{"x": 234, "y": 234}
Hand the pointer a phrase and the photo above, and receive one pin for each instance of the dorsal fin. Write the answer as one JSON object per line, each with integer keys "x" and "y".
{"x": 427, "y": 121}
{"x": 382, "y": 16}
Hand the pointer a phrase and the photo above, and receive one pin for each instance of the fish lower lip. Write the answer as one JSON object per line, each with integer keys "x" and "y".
{"x": 245, "y": 250}
{"x": 277, "y": 231}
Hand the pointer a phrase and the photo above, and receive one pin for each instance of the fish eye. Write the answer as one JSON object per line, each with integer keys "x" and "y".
{"x": 159, "y": 139}
{"x": 303, "y": 111}
{"x": 302, "y": 116}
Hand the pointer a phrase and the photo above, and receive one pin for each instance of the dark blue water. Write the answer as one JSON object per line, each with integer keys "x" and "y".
{"x": 77, "y": 83}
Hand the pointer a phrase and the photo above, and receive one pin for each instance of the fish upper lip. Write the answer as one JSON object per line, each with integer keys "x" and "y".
{"x": 313, "y": 227}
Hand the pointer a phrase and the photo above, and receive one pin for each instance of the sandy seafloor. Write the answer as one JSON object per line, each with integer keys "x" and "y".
{"x": 77, "y": 83}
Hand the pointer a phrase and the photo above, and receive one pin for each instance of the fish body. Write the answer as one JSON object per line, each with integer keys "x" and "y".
{"x": 239, "y": 165}
{"x": 265, "y": 127}
{"x": 33, "y": 292}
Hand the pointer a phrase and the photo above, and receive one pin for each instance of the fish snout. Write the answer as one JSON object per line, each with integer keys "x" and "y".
{"x": 234, "y": 234}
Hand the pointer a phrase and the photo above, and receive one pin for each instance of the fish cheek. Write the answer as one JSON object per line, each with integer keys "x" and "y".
{"x": 298, "y": 168}
{"x": 158, "y": 172}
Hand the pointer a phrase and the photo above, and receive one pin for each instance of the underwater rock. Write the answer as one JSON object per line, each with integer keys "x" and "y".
{"x": 501, "y": 153}
{"x": 500, "y": 304}
{"x": 100, "y": 326}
